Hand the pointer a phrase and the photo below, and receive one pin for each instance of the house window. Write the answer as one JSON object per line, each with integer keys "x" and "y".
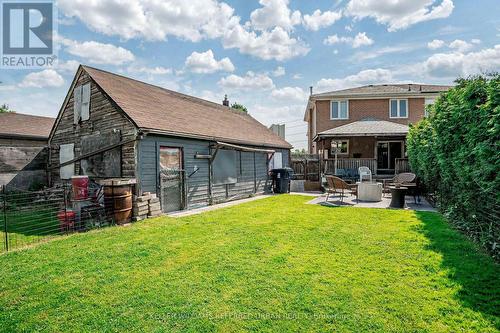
{"x": 340, "y": 146}
{"x": 339, "y": 110}
{"x": 398, "y": 108}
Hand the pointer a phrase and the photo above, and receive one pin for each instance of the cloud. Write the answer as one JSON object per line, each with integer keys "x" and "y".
{"x": 193, "y": 20}
{"x": 398, "y": 15}
{"x": 274, "y": 13}
{"x": 205, "y": 63}
{"x": 462, "y": 64}
{"x": 152, "y": 20}
{"x": 42, "y": 79}
{"x": 69, "y": 66}
{"x": 361, "y": 39}
{"x": 364, "y": 77}
{"x": 371, "y": 54}
{"x": 275, "y": 44}
{"x": 320, "y": 20}
{"x": 157, "y": 70}
{"x": 297, "y": 76}
{"x": 460, "y": 45}
{"x": 435, "y": 44}
{"x": 279, "y": 71}
{"x": 250, "y": 81}
{"x": 97, "y": 53}
{"x": 290, "y": 94}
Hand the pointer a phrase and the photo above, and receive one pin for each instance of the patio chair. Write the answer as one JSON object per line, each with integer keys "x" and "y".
{"x": 405, "y": 178}
{"x": 339, "y": 186}
{"x": 364, "y": 173}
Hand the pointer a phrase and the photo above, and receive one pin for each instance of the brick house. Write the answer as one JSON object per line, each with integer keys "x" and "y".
{"x": 366, "y": 126}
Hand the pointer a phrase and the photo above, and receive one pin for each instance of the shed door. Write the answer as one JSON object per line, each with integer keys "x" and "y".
{"x": 171, "y": 179}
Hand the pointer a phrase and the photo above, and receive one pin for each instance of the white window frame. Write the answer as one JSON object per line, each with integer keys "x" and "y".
{"x": 340, "y": 140}
{"x": 399, "y": 106}
{"x": 339, "y": 101}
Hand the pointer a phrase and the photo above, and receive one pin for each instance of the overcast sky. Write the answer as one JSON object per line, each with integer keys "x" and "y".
{"x": 264, "y": 54}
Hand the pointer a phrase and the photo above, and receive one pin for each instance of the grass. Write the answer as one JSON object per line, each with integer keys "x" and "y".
{"x": 272, "y": 265}
{"x": 28, "y": 226}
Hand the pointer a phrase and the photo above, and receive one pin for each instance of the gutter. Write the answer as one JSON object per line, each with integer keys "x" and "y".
{"x": 149, "y": 131}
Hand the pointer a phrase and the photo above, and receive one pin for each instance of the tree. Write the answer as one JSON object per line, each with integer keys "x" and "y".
{"x": 239, "y": 107}
{"x": 5, "y": 108}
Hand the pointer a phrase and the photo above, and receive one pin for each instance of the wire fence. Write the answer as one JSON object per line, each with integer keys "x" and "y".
{"x": 30, "y": 217}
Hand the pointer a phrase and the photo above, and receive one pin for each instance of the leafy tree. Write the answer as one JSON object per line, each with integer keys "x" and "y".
{"x": 456, "y": 153}
{"x": 239, "y": 107}
{"x": 5, "y": 108}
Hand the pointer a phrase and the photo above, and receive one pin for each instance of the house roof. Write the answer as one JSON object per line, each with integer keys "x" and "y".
{"x": 386, "y": 89}
{"x": 158, "y": 109}
{"x": 367, "y": 127}
{"x": 25, "y": 125}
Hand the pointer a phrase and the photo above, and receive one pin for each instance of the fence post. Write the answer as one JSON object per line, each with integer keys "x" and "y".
{"x": 6, "y": 235}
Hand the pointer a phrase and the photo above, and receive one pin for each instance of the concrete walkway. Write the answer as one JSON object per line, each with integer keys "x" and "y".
{"x": 200, "y": 210}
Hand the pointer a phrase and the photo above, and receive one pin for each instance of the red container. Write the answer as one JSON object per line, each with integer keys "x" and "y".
{"x": 66, "y": 220}
{"x": 80, "y": 186}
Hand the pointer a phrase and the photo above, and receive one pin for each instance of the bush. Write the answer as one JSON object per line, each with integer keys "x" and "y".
{"x": 456, "y": 153}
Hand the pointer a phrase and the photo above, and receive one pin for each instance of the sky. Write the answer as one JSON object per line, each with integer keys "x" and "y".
{"x": 263, "y": 54}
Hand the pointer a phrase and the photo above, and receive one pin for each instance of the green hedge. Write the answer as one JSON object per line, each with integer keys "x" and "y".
{"x": 456, "y": 153}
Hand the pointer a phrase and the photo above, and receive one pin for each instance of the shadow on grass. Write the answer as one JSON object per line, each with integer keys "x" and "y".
{"x": 475, "y": 271}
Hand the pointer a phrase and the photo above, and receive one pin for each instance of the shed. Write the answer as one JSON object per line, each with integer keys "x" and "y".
{"x": 189, "y": 151}
{"x": 23, "y": 150}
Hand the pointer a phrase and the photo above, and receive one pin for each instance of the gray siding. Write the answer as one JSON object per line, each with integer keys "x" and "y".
{"x": 251, "y": 170}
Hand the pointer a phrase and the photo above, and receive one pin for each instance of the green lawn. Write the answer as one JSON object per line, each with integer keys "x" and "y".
{"x": 272, "y": 265}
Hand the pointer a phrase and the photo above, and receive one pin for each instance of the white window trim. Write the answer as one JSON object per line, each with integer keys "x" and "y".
{"x": 340, "y": 140}
{"x": 399, "y": 111}
{"x": 331, "y": 108}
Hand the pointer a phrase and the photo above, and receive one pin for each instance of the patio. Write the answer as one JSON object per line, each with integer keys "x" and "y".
{"x": 350, "y": 201}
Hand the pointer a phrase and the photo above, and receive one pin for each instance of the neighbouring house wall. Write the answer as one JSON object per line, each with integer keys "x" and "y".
{"x": 368, "y": 108}
{"x": 105, "y": 117}
{"x": 249, "y": 178}
{"x": 23, "y": 163}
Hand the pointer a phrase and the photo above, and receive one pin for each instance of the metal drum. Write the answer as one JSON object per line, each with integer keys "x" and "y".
{"x": 118, "y": 202}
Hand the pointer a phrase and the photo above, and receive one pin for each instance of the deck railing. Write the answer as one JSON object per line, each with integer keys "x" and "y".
{"x": 350, "y": 163}
{"x": 402, "y": 165}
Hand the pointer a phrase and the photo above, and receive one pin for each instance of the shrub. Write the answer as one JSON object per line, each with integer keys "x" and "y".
{"x": 456, "y": 153}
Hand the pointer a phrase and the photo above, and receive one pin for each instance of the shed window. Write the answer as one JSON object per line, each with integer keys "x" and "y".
{"x": 339, "y": 110}
{"x": 398, "y": 108}
{"x": 67, "y": 153}
{"x": 81, "y": 100}
{"x": 224, "y": 167}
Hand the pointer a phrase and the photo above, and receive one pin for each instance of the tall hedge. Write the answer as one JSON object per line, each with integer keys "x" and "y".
{"x": 456, "y": 153}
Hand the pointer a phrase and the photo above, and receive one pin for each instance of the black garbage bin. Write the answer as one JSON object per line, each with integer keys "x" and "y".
{"x": 281, "y": 179}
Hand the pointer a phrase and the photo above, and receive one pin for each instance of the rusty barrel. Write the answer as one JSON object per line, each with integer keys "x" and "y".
{"x": 118, "y": 202}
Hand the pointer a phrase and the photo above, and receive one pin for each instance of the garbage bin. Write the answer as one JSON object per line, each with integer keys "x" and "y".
{"x": 281, "y": 180}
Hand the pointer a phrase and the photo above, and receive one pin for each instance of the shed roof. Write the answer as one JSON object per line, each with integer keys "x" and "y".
{"x": 154, "y": 108}
{"x": 21, "y": 125}
{"x": 367, "y": 127}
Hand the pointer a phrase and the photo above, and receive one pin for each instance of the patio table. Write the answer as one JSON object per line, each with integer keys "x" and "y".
{"x": 398, "y": 196}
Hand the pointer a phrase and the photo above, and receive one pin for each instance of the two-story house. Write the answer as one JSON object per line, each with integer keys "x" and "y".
{"x": 366, "y": 126}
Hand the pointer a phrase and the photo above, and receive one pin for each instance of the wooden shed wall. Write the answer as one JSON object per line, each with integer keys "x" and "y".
{"x": 23, "y": 163}
{"x": 197, "y": 185}
{"x": 105, "y": 116}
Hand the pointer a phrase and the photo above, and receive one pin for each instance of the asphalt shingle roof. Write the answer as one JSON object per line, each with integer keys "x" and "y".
{"x": 25, "y": 125}
{"x": 156, "y": 108}
{"x": 386, "y": 89}
{"x": 367, "y": 127}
